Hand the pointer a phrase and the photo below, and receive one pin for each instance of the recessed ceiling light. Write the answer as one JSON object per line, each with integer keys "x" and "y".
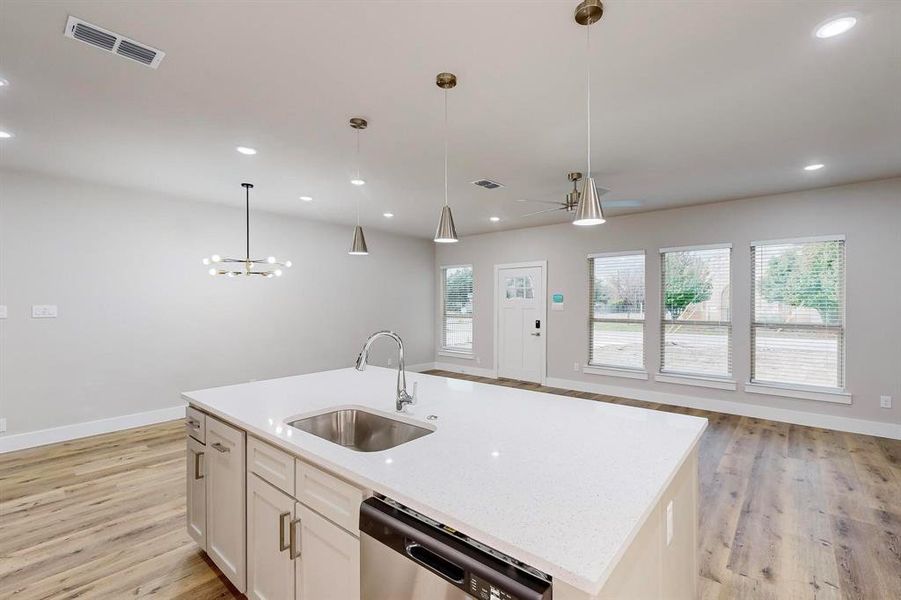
{"x": 814, "y": 167}
{"x": 307, "y": 198}
{"x": 494, "y": 219}
{"x": 246, "y": 150}
{"x": 5, "y": 135}
{"x": 3, "y": 82}
{"x": 835, "y": 27}
{"x": 387, "y": 215}
{"x": 358, "y": 182}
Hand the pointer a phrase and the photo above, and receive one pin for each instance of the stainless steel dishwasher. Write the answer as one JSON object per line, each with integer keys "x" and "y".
{"x": 408, "y": 556}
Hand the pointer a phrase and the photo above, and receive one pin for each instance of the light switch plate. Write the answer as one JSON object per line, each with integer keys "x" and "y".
{"x": 43, "y": 311}
{"x": 669, "y": 523}
{"x": 576, "y": 367}
{"x": 885, "y": 401}
{"x": 3, "y": 311}
{"x": 3, "y": 425}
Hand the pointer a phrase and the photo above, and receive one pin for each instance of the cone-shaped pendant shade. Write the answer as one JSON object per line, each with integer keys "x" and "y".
{"x": 446, "y": 233}
{"x": 589, "y": 210}
{"x": 359, "y": 245}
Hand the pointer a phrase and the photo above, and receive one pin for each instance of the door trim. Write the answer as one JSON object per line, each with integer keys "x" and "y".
{"x": 542, "y": 264}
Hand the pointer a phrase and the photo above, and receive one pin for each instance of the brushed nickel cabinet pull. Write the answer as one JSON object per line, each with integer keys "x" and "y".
{"x": 294, "y": 550}
{"x": 221, "y": 448}
{"x": 197, "y": 469}
{"x": 282, "y": 545}
{"x": 194, "y": 424}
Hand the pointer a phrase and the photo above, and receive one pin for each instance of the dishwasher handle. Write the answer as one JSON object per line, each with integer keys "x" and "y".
{"x": 435, "y": 562}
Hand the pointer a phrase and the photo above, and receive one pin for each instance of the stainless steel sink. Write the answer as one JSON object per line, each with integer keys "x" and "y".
{"x": 360, "y": 430}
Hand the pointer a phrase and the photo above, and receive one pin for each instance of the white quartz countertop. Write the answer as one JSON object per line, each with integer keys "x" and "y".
{"x": 560, "y": 483}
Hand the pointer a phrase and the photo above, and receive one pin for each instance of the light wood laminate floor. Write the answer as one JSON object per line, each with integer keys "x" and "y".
{"x": 786, "y": 512}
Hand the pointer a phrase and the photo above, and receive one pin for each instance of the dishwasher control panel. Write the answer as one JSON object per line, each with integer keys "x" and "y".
{"x": 480, "y": 589}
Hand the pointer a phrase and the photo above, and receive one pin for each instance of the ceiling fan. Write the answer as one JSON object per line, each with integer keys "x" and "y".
{"x": 568, "y": 205}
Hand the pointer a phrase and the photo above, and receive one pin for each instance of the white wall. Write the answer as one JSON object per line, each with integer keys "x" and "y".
{"x": 140, "y": 320}
{"x": 869, "y": 214}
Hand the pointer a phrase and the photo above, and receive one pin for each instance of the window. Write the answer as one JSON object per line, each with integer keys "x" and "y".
{"x": 696, "y": 323}
{"x": 519, "y": 287}
{"x": 616, "y": 299}
{"x": 456, "y": 321}
{"x": 798, "y": 312}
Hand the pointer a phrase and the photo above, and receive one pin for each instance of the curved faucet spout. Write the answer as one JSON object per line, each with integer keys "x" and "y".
{"x": 403, "y": 398}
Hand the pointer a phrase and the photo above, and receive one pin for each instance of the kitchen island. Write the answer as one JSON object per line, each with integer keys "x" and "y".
{"x": 600, "y": 497}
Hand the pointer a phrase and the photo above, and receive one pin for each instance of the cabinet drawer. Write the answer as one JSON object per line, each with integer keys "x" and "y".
{"x": 195, "y": 424}
{"x": 271, "y": 464}
{"x": 331, "y": 497}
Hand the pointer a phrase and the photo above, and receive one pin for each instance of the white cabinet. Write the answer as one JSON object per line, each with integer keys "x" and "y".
{"x": 327, "y": 566}
{"x": 196, "y": 492}
{"x": 226, "y": 497}
{"x": 270, "y": 570}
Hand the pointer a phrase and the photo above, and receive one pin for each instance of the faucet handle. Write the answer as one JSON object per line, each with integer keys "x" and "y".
{"x": 413, "y": 395}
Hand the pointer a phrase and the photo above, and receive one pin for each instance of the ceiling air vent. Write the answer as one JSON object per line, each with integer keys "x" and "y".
{"x": 113, "y": 42}
{"x": 488, "y": 184}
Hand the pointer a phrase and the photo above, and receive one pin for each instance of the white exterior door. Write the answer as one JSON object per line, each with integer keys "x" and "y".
{"x": 521, "y": 323}
{"x": 270, "y": 570}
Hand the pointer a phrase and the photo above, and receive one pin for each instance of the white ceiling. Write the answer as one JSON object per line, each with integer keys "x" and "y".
{"x": 692, "y": 102}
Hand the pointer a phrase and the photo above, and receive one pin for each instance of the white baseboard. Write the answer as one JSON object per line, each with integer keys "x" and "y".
{"x": 42, "y": 437}
{"x": 466, "y": 370}
{"x": 797, "y": 417}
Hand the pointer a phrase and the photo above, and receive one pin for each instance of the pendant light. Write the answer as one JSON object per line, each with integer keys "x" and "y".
{"x": 269, "y": 267}
{"x": 588, "y": 212}
{"x": 446, "y": 232}
{"x": 358, "y": 246}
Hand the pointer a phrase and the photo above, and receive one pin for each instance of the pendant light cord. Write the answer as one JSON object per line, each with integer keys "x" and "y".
{"x": 445, "y": 147}
{"x": 247, "y": 223}
{"x": 588, "y": 77}
{"x": 358, "y": 176}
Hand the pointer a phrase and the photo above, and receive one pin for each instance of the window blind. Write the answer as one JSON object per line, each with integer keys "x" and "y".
{"x": 617, "y": 305}
{"x": 456, "y": 323}
{"x": 696, "y": 321}
{"x": 798, "y": 313}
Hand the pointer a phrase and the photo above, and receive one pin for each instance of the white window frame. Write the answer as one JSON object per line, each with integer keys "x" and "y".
{"x": 603, "y": 368}
{"x": 725, "y": 382}
{"x": 808, "y": 392}
{"x": 442, "y": 347}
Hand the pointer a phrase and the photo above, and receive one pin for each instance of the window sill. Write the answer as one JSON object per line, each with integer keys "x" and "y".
{"x": 697, "y": 380}
{"x": 836, "y": 396}
{"x": 455, "y": 354}
{"x": 615, "y": 372}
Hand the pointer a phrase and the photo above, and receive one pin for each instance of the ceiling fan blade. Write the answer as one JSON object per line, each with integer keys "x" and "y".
{"x": 539, "y": 201}
{"x": 541, "y": 212}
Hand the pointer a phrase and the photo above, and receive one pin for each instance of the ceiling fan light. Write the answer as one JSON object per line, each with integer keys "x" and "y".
{"x": 358, "y": 247}
{"x": 589, "y": 212}
{"x": 446, "y": 232}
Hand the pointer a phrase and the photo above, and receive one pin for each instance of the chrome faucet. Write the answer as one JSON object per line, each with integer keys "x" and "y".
{"x": 403, "y": 398}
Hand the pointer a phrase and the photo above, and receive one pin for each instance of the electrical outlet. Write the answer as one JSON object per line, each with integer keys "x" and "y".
{"x": 669, "y": 523}
{"x": 885, "y": 401}
{"x": 390, "y": 362}
{"x": 3, "y": 425}
{"x": 478, "y": 360}
{"x": 43, "y": 311}
{"x": 576, "y": 367}
{"x": 2, "y": 311}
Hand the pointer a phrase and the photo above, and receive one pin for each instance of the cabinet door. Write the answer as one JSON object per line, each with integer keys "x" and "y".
{"x": 196, "y": 492}
{"x": 226, "y": 497}
{"x": 270, "y": 572}
{"x": 327, "y": 566}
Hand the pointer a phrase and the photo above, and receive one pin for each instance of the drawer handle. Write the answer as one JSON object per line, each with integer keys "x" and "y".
{"x": 194, "y": 424}
{"x": 198, "y": 474}
{"x": 221, "y": 448}
{"x": 294, "y": 543}
{"x": 282, "y": 520}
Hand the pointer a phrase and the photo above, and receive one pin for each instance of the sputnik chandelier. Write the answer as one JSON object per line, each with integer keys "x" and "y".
{"x": 233, "y": 267}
